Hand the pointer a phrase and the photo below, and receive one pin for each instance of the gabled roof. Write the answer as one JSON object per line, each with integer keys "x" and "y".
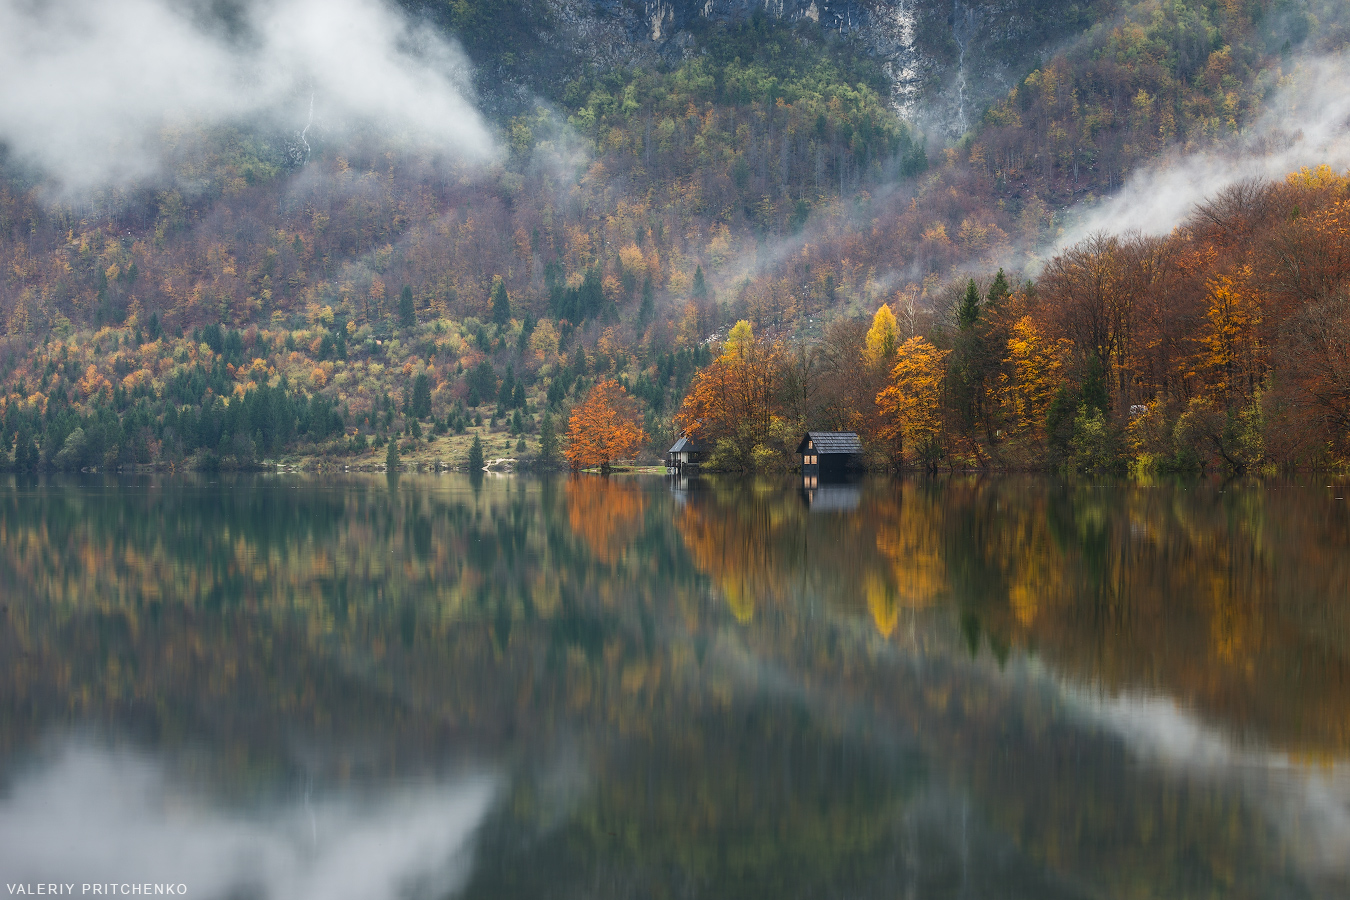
{"x": 684, "y": 445}
{"x": 826, "y": 442}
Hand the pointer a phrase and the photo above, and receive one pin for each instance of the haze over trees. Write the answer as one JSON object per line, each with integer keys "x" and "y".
{"x": 251, "y": 303}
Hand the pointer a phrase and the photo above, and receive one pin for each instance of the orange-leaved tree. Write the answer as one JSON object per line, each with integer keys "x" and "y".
{"x": 606, "y": 427}
{"x": 735, "y": 397}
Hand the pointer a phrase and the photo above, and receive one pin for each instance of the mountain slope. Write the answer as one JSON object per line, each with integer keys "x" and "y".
{"x": 645, "y": 193}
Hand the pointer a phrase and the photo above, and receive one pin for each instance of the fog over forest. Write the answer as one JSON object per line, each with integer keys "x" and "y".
{"x": 95, "y": 92}
{"x": 282, "y": 221}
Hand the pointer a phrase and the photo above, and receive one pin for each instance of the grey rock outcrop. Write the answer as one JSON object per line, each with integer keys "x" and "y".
{"x": 946, "y": 59}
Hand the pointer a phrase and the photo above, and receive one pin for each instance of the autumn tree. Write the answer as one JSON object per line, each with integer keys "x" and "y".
{"x": 1231, "y": 351}
{"x": 882, "y": 337}
{"x": 734, "y": 400}
{"x": 878, "y": 357}
{"x": 912, "y": 403}
{"x": 1082, "y": 296}
{"x": 1037, "y": 364}
{"x": 848, "y": 386}
{"x": 1316, "y": 354}
{"x": 606, "y": 427}
{"x": 1308, "y": 255}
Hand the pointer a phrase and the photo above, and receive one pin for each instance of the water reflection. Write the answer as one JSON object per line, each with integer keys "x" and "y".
{"x": 937, "y": 688}
{"x": 94, "y": 815}
{"x": 1307, "y": 801}
{"x": 1235, "y": 597}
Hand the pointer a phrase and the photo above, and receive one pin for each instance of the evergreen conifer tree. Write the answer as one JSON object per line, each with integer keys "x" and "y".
{"x": 476, "y": 455}
{"x": 998, "y": 291}
{"x": 421, "y": 396}
{"x": 967, "y": 365}
{"x": 1096, "y": 395}
{"x": 548, "y": 441}
{"x": 969, "y": 311}
{"x": 700, "y": 288}
{"x": 407, "y": 313}
{"x": 501, "y": 302}
{"x": 648, "y": 306}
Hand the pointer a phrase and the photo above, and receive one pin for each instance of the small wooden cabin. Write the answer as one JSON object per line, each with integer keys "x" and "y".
{"x": 830, "y": 453}
{"x": 685, "y": 456}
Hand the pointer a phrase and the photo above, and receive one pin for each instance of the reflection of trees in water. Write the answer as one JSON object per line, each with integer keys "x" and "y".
{"x": 747, "y": 540}
{"x": 909, "y": 539}
{"x": 385, "y": 629}
{"x": 761, "y": 545}
{"x": 340, "y": 607}
{"x": 605, "y": 513}
{"x": 752, "y": 800}
{"x": 1237, "y": 600}
{"x": 1235, "y": 597}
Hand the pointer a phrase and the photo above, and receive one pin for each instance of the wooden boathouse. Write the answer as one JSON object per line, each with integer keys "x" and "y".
{"x": 826, "y": 454}
{"x": 686, "y": 456}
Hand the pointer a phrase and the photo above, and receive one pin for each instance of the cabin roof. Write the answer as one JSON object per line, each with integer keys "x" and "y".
{"x": 827, "y": 442}
{"x": 684, "y": 445}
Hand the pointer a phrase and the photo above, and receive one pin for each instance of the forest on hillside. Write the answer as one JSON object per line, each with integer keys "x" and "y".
{"x": 1225, "y": 344}
{"x": 756, "y": 208}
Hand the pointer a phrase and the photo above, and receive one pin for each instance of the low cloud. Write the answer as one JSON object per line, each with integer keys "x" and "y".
{"x": 95, "y": 816}
{"x": 90, "y": 89}
{"x": 1307, "y": 124}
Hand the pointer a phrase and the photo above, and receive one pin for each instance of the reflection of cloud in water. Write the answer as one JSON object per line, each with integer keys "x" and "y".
{"x": 99, "y": 816}
{"x": 1309, "y": 802}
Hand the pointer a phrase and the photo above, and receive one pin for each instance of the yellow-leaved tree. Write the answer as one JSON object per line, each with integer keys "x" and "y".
{"x": 1037, "y": 363}
{"x": 1230, "y": 339}
{"x": 882, "y": 338}
{"x": 911, "y": 406}
{"x": 606, "y": 427}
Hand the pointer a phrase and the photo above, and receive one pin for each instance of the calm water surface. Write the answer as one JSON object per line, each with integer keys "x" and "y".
{"x": 292, "y": 688}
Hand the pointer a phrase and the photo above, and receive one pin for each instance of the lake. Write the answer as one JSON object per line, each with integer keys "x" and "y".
{"x": 348, "y": 687}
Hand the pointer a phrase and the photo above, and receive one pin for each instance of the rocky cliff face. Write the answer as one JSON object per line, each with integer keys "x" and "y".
{"x": 946, "y": 59}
